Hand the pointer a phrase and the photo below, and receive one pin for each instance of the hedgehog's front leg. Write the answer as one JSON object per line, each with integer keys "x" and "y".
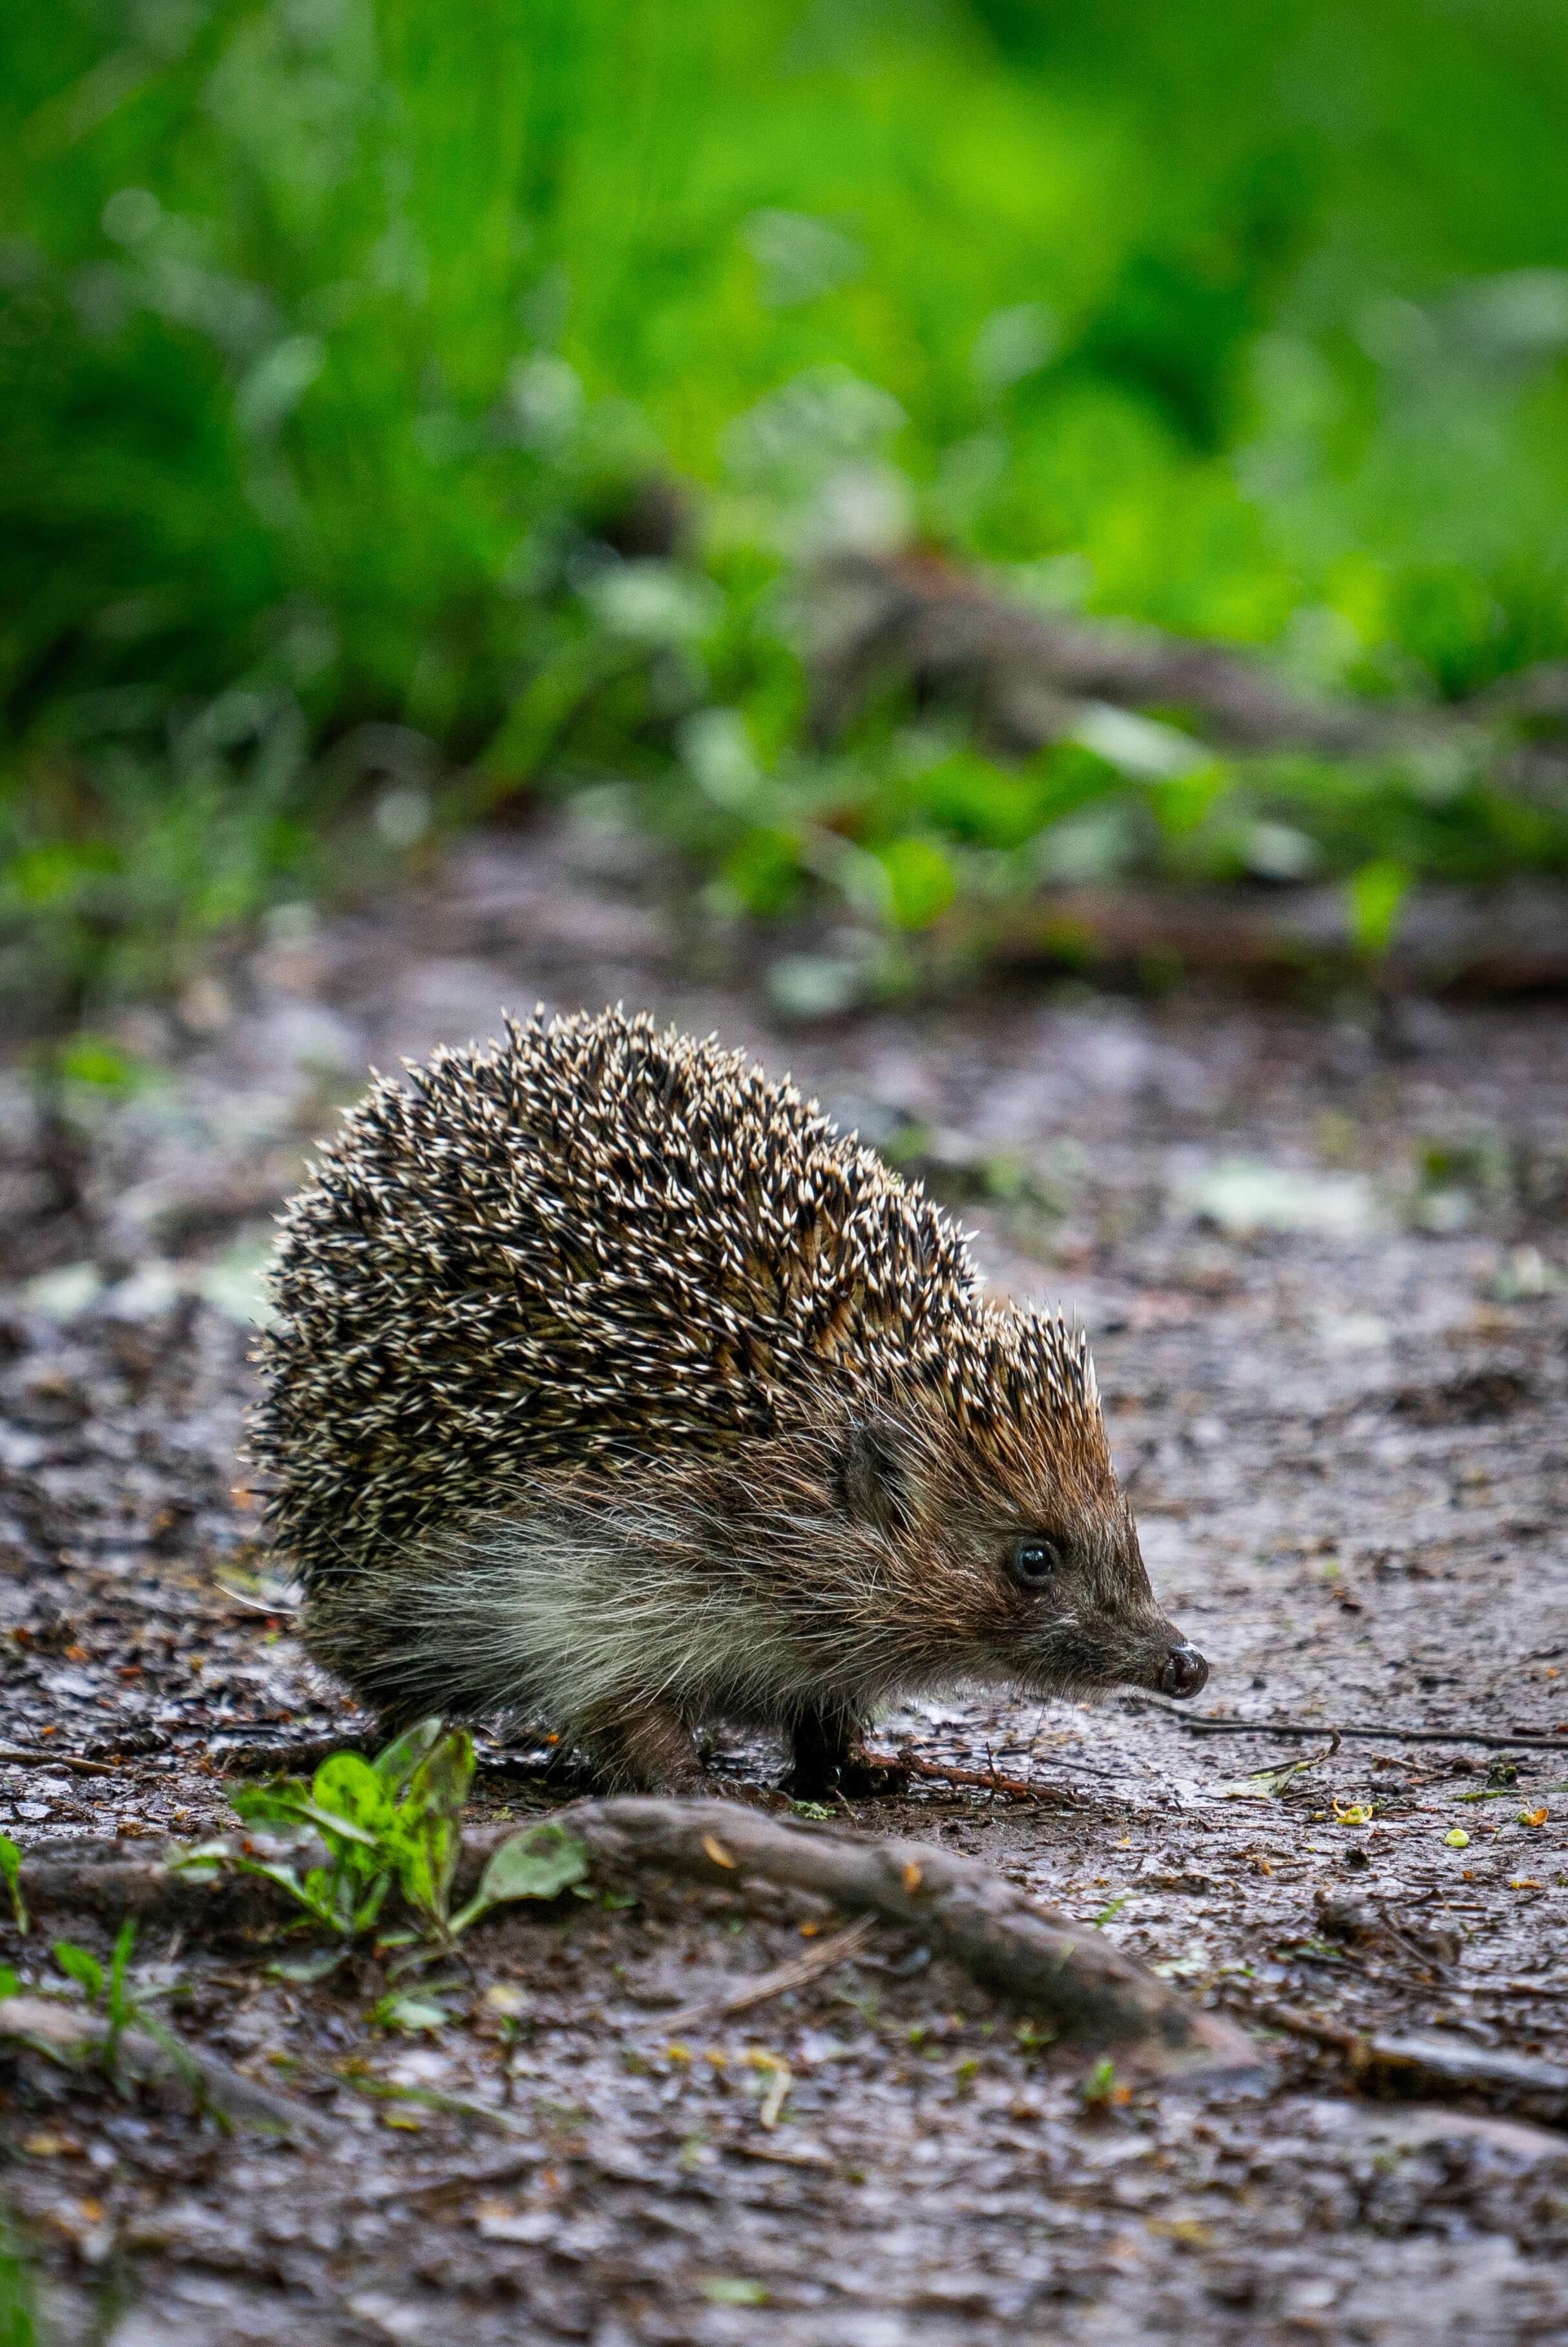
{"x": 824, "y": 1741}
{"x": 641, "y": 1747}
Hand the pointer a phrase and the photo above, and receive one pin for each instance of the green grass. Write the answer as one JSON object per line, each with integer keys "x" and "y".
{"x": 19, "y": 2324}
{"x": 331, "y": 333}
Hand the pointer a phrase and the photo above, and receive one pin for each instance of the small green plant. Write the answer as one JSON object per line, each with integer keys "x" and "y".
{"x": 1034, "y": 2036}
{"x": 11, "y": 1873}
{"x": 18, "y": 2295}
{"x": 108, "y": 1991}
{"x": 1100, "y": 2087}
{"x": 103, "y": 1988}
{"x": 734, "y": 2289}
{"x": 1376, "y": 894}
{"x": 396, "y": 1821}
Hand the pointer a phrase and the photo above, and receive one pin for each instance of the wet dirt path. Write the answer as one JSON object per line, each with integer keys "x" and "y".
{"x": 1328, "y": 1286}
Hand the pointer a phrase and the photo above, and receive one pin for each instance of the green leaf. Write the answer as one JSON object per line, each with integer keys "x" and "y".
{"x": 409, "y": 2014}
{"x": 539, "y": 1863}
{"x": 347, "y": 1788}
{"x": 921, "y": 883}
{"x": 81, "y": 1967}
{"x": 424, "y": 1834}
{"x": 307, "y": 1892}
{"x": 334, "y": 1826}
{"x": 1098, "y": 2086}
{"x": 10, "y": 1981}
{"x": 284, "y": 1802}
{"x": 1376, "y": 893}
{"x": 396, "y": 1765}
{"x": 330, "y": 1891}
{"x": 118, "y": 2003}
{"x": 732, "y": 2290}
{"x": 764, "y": 869}
{"x": 370, "y": 1906}
{"x": 11, "y": 1870}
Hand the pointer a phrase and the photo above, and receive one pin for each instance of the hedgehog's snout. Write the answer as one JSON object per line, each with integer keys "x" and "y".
{"x": 1183, "y": 1673}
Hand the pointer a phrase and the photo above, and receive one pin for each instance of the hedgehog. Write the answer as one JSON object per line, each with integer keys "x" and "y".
{"x": 610, "y": 1390}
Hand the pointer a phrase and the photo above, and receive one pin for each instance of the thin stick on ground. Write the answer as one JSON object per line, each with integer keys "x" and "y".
{"x": 1218, "y": 1724}
{"x": 1425, "y": 2061}
{"x": 797, "y": 1973}
{"x": 37, "y": 1756}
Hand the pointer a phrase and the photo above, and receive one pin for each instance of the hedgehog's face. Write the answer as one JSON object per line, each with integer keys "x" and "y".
{"x": 1029, "y": 1572}
{"x": 1078, "y": 1610}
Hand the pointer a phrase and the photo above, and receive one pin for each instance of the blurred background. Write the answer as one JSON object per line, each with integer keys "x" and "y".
{"x": 807, "y": 438}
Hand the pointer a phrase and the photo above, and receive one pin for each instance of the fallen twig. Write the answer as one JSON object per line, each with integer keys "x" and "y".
{"x": 67, "y": 2034}
{"x": 1088, "y": 1988}
{"x": 452, "y": 2183}
{"x": 1507, "y": 1988}
{"x": 36, "y": 1756}
{"x": 1218, "y": 1724}
{"x": 796, "y": 1974}
{"x": 1427, "y": 2061}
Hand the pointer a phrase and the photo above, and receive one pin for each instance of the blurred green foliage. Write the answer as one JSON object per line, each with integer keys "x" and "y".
{"x": 340, "y": 339}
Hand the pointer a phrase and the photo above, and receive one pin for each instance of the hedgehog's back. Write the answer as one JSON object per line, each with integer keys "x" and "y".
{"x": 594, "y": 1242}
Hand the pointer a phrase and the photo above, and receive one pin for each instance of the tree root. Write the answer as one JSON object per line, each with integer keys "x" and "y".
{"x": 1066, "y": 1972}
{"x": 68, "y": 2035}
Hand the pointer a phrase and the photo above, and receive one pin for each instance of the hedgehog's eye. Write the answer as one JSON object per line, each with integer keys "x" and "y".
{"x": 1033, "y": 1561}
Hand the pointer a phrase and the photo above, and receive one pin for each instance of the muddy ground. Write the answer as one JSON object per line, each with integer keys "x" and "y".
{"x": 1324, "y": 1257}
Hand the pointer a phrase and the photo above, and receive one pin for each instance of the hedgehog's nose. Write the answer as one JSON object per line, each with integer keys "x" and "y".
{"x": 1183, "y": 1672}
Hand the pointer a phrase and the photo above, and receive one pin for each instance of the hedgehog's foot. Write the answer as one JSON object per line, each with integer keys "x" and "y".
{"x": 642, "y": 1748}
{"x": 828, "y": 1760}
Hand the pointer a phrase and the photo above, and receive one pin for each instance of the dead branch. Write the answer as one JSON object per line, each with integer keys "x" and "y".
{"x": 1511, "y": 1988}
{"x": 1225, "y": 1724}
{"x": 1025, "y": 674}
{"x": 30, "y": 1756}
{"x": 67, "y": 2034}
{"x": 1424, "y": 2061}
{"x": 796, "y": 1974}
{"x": 1067, "y": 1972}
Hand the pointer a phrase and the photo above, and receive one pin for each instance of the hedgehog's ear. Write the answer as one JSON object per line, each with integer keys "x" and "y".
{"x": 874, "y": 1484}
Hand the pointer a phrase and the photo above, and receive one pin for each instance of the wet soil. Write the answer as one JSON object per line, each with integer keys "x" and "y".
{"x": 1324, "y": 1259}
